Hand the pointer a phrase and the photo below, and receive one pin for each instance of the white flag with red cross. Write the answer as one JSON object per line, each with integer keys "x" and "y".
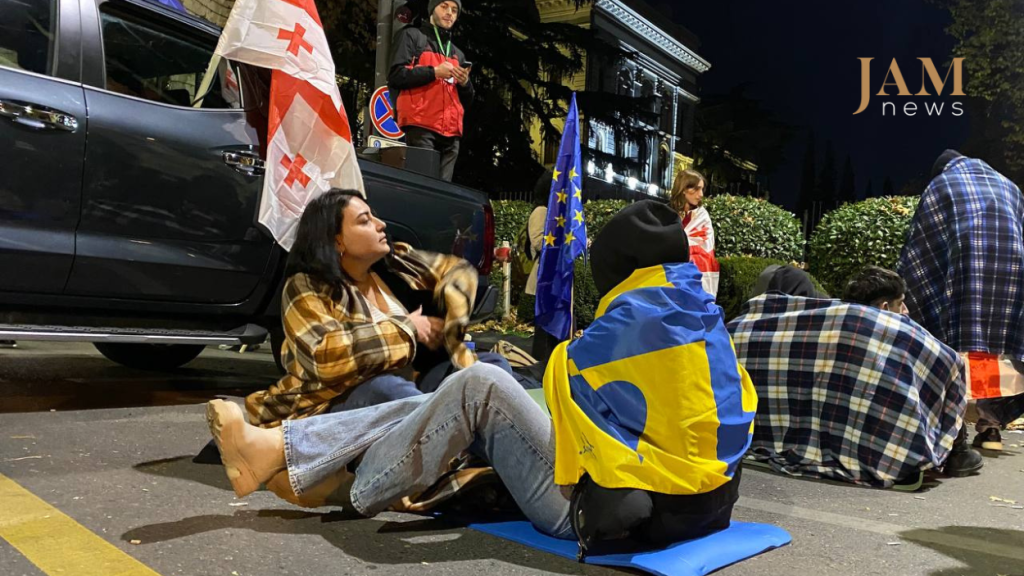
{"x": 309, "y": 143}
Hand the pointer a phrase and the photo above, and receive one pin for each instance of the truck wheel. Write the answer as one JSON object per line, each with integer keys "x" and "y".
{"x": 276, "y": 341}
{"x": 150, "y": 356}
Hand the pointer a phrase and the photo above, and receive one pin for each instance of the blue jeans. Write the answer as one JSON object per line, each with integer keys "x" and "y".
{"x": 404, "y": 447}
{"x": 391, "y": 386}
{"x": 376, "y": 390}
{"x": 433, "y": 378}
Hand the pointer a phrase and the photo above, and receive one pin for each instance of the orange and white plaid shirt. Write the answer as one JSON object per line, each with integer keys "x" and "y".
{"x": 334, "y": 344}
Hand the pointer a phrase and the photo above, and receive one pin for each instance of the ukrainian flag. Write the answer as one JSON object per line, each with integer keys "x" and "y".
{"x": 652, "y": 396}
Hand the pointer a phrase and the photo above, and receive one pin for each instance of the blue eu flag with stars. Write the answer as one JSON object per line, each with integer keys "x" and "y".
{"x": 565, "y": 234}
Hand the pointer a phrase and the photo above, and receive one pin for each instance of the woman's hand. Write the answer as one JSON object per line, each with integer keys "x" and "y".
{"x": 429, "y": 330}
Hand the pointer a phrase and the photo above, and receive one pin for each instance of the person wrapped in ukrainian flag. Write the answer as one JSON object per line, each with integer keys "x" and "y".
{"x": 652, "y": 412}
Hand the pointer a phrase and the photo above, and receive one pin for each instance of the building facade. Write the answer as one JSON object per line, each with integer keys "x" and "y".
{"x": 664, "y": 69}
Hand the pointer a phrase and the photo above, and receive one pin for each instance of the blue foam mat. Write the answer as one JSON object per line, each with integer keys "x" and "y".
{"x": 698, "y": 557}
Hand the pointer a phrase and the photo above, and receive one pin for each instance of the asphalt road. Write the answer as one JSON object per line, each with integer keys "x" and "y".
{"x": 111, "y": 448}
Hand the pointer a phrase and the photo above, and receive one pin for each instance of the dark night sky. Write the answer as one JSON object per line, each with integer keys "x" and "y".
{"x": 800, "y": 59}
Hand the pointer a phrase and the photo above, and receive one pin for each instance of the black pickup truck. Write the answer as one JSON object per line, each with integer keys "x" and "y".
{"x": 128, "y": 202}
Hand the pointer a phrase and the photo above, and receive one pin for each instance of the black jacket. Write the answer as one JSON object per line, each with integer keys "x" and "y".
{"x": 415, "y": 54}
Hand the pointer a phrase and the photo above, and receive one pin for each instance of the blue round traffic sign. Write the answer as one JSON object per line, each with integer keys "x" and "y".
{"x": 383, "y": 115}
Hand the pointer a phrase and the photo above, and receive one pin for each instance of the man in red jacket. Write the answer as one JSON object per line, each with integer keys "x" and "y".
{"x": 429, "y": 83}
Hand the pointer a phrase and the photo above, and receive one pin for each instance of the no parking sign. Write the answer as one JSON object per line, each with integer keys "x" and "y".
{"x": 383, "y": 115}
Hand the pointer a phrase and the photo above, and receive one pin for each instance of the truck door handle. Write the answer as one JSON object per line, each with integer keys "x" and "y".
{"x": 37, "y": 117}
{"x": 247, "y": 163}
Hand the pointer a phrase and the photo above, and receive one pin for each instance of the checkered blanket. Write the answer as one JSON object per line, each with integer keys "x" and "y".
{"x": 964, "y": 260}
{"x": 847, "y": 392}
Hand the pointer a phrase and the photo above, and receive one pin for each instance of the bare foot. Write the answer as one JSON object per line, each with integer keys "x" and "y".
{"x": 251, "y": 455}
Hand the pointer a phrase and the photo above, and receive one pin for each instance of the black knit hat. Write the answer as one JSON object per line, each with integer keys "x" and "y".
{"x": 435, "y": 3}
{"x": 643, "y": 234}
{"x": 943, "y": 160}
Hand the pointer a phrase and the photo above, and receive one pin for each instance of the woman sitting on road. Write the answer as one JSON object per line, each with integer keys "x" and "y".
{"x": 371, "y": 458}
{"x": 349, "y": 341}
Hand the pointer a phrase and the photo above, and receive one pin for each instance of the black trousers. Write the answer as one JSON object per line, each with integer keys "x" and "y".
{"x": 447, "y": 146}
{"x": 998, "y": 412}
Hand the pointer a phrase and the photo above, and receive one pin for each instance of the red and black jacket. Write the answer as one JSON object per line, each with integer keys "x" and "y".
{"x": 420, "y": 98}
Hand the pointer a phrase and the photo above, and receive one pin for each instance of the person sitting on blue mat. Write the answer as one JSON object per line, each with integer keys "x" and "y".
{"x": 652, "y": 412}
{"x": 370, "y": 458}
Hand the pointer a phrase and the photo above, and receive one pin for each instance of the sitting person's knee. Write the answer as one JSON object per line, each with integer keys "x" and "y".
{"x": 484, "y": 379}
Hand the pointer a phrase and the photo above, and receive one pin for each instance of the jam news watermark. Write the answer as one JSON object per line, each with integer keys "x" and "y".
{"x": 929, "y": 74}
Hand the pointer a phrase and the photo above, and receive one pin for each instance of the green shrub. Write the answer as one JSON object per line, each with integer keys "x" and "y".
{"x": 598, "y": 212}
{"x": 753, "y": 227}
{"x": 525, "y": 308}
{"x": 509, "y": 218}
{"x": 497, "y": 279}
{"x": 585, "y": 296}
{"x": 852, "y": 236}
{"x": 584, "y": 304}
{"x": 511, "y": 215}
{"x": 736, "y": 280}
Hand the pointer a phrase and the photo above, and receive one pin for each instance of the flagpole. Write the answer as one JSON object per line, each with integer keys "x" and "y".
{"x": 572, "y": 306}
{"x": 204, "y": 86}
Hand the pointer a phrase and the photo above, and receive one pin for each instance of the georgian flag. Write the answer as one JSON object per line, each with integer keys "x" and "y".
{"x": 309, "y": 143}
{"x": 701, "y": 234}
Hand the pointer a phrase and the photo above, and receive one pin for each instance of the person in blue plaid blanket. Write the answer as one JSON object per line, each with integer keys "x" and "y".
{"x": 964, "y": 266}
{"x": 852, "y": 391}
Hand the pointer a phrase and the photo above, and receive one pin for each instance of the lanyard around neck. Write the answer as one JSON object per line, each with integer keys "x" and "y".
{"x": 440, "y": 46}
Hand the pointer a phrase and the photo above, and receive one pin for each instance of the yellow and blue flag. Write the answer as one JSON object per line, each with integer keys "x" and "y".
{"x": 565, "y": 234}
{"x": 651, "y": 396}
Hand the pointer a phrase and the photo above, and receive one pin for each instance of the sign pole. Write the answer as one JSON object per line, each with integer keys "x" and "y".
{"x": 385, "y": 17}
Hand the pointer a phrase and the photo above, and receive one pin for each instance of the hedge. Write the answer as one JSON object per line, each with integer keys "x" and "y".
{"x": 736, "y": 280}
{"x": 585, "y": 303}
{"x": 509, "y": 218}
{"x": 511, "y": 215}
{"x": 852, "y": 236}
{"x": 597, "y": 214}
{"x": 747, "y": 226}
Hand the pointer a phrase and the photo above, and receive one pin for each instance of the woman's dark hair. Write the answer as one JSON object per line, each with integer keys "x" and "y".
{"x": 314, "y": 252}
{"x": 873, "y": 284}
{"x": 542, "y": 189}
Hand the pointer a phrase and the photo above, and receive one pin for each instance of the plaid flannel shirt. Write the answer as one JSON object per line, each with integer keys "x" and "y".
{"x": 964, "y": 260}
{"x": 333, "y": 345}
{"x": 847, "y": 392}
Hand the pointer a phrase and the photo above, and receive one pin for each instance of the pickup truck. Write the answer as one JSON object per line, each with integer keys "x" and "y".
{"x": 128, "y": 202}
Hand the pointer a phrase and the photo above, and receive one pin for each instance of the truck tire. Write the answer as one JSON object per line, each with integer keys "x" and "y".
{"x": 150, "y": 356}
{"x": 276, "y": 341}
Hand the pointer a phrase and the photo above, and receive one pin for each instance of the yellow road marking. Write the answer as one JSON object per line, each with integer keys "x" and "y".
{"x": 54, "y": 542}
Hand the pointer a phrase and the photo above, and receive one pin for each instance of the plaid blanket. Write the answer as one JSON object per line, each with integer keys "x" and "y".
{"x": 964, "y": 260}
{"x": 847, "y": 392}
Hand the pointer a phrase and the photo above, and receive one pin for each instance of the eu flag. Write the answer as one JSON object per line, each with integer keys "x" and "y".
{"x": 565, "y": 234}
